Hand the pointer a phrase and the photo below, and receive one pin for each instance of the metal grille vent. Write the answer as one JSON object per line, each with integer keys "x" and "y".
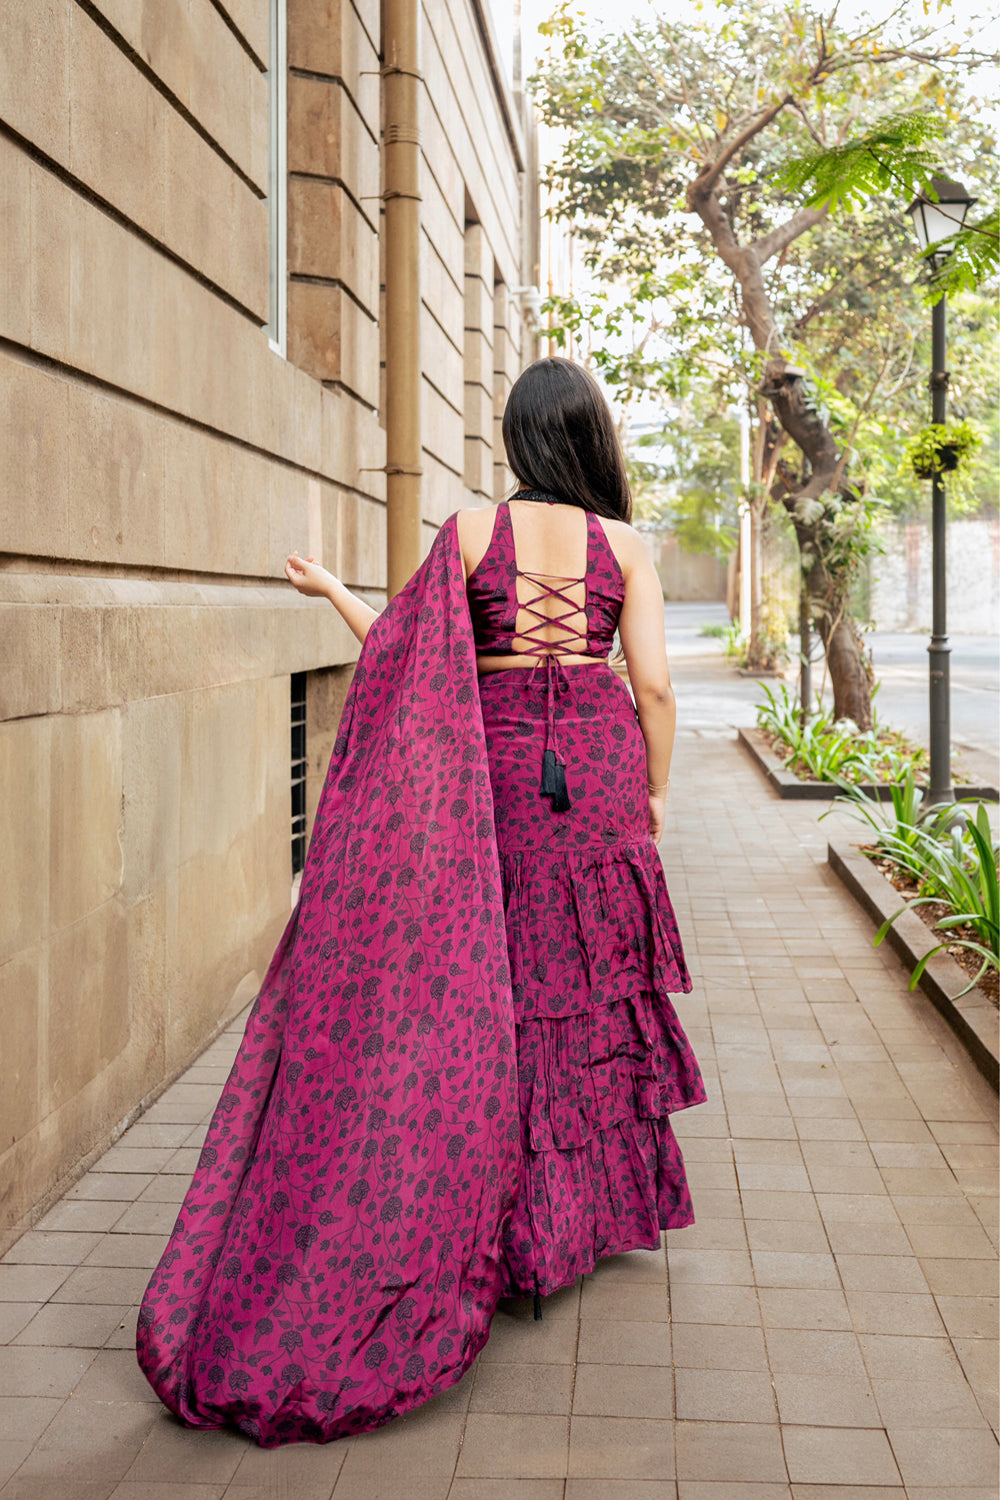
{"x": 298, "y": 771}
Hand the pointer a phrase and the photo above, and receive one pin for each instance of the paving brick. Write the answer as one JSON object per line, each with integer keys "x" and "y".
{"x": 945, "y": 1456}
{"x": 837, "y": 1282}
{"x": 90, "y": 1441}
{"x": 839, "y": 1455}
{"x": 621, "y": 1448}
{"x": 927, "y": 1403}
{"x": 30, "y": 1283}
{"x": 725, "y": 1396}
{"x": 64, "y": 1324}
{"x": 826, "y": 1400}
{"x": 503, "y": 1489}
{"x": 623, "y": 1302}
{"x": 700, "y": 1489}
{"x": 729, "y": 1451}
{"x": 795, "y": 1307}
{"x": 14, "y": 1316}
{"x": 544, "y": 1389}
{"x": 27, "y": 1371}
{"x": 497, "y": 1447}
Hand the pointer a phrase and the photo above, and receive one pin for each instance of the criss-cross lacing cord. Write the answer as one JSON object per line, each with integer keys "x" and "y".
{"x": 551, "y": 652}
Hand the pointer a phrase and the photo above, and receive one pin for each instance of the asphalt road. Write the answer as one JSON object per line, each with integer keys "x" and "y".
{"x": 900, "y": 663}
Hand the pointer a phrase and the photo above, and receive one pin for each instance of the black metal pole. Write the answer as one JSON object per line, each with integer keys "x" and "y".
{"x": 939, "y": 651}
{"x": 805, "y": 654}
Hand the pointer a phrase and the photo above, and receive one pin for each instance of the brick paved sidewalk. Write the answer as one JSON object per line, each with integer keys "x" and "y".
{"x": 826, "y": 1331}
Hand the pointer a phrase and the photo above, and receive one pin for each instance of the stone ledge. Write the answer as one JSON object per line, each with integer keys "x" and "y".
{"x": 971, "y": 1016}
{"x": 794, "y": 788}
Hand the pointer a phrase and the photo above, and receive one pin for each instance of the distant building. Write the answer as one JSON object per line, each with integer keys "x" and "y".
{"x": 193, "y": 273}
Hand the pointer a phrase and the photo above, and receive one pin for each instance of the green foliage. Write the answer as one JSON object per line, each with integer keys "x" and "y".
{"x": 735, "y": 645}
{"x": 972, "y": 258}
{"x": 689, "y": 483}
{"x": 898, "y": 154}
{"x": 642, "y": 111}
{"x": 902, "y": 819}
{"x": 956, "y": 867}
{"x": 943, "y": 447}
{"x": 831, "y": 750}
{"x": 819, "y": 748}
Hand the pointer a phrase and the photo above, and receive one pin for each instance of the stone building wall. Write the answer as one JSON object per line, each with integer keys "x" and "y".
{"x": 158, "y": 459}
{"x": 471, "y": 332}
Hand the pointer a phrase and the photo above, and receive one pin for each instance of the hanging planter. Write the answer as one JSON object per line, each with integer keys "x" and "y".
{"x": 943, "y": 448}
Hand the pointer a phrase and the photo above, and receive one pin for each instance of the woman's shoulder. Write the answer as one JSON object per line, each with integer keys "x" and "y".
{"x": 474, "y": 521}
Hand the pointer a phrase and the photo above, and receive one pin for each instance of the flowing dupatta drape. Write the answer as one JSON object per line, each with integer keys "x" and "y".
{"x": 337, "y": 1258}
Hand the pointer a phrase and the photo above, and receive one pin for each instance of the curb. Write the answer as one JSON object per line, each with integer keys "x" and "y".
{"x": 792, "y": 788}
{"x": 972, "y": 1017}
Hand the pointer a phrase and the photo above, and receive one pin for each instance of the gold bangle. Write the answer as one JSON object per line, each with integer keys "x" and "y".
{"x": 654, "y": 790}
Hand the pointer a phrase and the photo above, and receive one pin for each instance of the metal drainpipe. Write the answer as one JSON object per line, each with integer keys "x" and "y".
{"x": 401, "y": 80}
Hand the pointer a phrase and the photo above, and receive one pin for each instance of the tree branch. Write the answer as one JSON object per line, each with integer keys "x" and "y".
{"x": 709, "y": 176}
{"x": 777, "y": 239}
{"x": 800, "y": 110}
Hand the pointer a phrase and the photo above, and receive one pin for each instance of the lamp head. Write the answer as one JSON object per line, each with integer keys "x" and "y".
{"x": 936, "y": 223}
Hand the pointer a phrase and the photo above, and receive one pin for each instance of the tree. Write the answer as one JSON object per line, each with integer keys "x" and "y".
{"x": 674, "y": 134}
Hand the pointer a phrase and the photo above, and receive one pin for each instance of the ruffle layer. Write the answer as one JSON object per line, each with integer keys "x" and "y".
{"x": 615, "y": 1193}
{"x": 589, "y": 927}
{"x": 602, "y": 1058}
{"x": 583, "y": 1074}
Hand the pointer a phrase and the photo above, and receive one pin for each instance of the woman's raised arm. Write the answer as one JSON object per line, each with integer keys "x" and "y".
{"x": 306, "y": 575}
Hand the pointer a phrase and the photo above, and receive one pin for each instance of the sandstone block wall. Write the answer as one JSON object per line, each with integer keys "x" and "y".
{"x": 472, "y": 163}
{"x": 158, "y": 460}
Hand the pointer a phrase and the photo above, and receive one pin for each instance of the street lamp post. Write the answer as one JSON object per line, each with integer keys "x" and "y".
{"x": 935, "y": 223}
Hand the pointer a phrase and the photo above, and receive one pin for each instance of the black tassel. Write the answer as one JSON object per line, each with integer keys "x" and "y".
{"x": 554, "y": 782}
{"x": 561, "y": 802}
{"x": 549, "y": 772}
{"x": 538, "y": 1307}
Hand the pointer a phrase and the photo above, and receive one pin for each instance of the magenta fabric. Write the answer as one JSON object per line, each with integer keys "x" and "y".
{"x": 457, "y": 1078}
{"x": 337, "y": 1258}
{"x": 492, "y": 590}
{"x": 602, "y": 1060}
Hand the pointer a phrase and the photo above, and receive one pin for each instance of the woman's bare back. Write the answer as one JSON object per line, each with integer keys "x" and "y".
{"x": 550, "y": 543}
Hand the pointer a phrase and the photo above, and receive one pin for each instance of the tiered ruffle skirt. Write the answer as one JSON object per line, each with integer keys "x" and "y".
{"x": 595, "y": 955}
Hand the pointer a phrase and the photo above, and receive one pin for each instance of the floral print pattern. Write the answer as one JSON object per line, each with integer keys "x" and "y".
{"x": 456, "y": 1079}
{"x": 337, "y": 1257}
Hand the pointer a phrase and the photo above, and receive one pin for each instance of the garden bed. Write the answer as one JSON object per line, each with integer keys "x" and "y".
{"x": 972, "y": 1016}
{"x": 932, "y": 912}
{"x": 761, "y": 746}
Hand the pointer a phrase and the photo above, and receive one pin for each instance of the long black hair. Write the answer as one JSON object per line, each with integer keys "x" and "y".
{"x": 560, "y": 438}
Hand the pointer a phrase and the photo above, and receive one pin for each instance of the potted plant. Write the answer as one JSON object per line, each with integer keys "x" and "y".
{"x": 943, "y": 447}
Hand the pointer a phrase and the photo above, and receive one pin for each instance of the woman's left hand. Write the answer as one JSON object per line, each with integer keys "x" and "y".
{"x": 306, "y": 575}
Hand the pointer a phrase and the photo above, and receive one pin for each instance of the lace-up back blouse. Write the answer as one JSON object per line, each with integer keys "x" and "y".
{"x": 549, "y": 615}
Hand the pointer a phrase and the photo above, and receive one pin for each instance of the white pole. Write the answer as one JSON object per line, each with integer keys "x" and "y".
{"x": 746, "y": 541}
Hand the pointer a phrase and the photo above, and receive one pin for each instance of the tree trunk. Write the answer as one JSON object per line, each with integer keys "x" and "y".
{"x": 758, "y": 647}
{"x": 849, "y": 673}
{"x": 783, "y": 388}
{"x": 852, "y": 689}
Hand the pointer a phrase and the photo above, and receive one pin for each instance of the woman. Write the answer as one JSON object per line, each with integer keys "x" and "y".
{"x": 456, "y": 1081}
